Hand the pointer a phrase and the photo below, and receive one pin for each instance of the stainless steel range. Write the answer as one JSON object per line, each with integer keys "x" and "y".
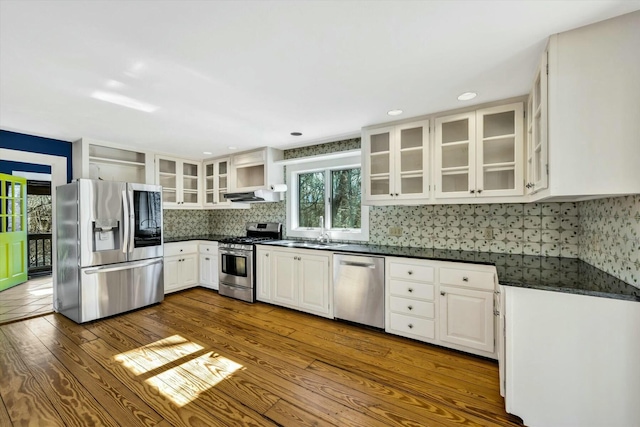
{"x": 237, "y": 260}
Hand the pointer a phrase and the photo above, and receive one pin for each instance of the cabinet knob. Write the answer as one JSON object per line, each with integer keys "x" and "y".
{"x": 410, "y": 325}
{"x": 472, "y": 191}
{"x": 206, "y": 259}
{"x": 410, "y": 272}
{"x": 267, "y": 255}
{"x": 465, "y": 279}
{"x": 410, "y": 290}
{"x": 480, "y": 191}
{"x": 410, "y": 307}
{"x": 391, "y": 194}
{"x": 396, "y": 194}
{"x": 443, "y": 293}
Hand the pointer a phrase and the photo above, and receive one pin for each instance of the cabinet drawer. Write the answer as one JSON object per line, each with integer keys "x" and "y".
{"x": 172, "y": 249}
{"x": 467, "y": 278}
{"x": 412, "y": 307}
{"x": 209, "y": 248}
{"x": 399, "y": 270}
{"x": 412, "y": 289}
{"x": 424, "y": 328}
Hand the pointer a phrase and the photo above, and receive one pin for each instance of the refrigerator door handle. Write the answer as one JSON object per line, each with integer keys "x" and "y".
{"x": 131, "y": 218}
{"x": 125, "y": 234}
{"x": 127, "y": 266}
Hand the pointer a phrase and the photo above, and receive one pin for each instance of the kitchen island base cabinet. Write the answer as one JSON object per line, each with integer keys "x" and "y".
{"x": 571, "y": 360}
{"x": 294, "y": 278}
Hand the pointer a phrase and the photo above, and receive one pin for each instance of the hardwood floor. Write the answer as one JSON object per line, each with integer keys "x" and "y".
{"x": 199, "y": 359}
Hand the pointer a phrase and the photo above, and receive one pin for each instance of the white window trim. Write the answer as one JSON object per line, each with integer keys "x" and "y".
{"x": 293, "y": 171}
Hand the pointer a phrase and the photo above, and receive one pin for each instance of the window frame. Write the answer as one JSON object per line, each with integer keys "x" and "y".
{"x": 293, "y": 230}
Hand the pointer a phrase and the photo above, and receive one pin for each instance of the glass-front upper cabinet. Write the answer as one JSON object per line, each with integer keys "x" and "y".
{"x": 216, "y": 182}
{"x": 396, "y": 163}
{"x": 180, "y": 180}
{"x": 537, "y": 174}
{"x": 479, "y": 154}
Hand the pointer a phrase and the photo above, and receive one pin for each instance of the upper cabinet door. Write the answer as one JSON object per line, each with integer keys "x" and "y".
{"x": 180, "y": 180}
{"x": 499, "y": 151}
{"x": 378, "y": 158}
{"x": 396, "y": 163}
{"x": 537, "y": 136}
{"x": 412, "y": 161}
{"x": 455, "y": 155}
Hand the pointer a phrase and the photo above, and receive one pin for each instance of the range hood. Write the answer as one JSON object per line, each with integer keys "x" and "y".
{"x": 254, "y": 196}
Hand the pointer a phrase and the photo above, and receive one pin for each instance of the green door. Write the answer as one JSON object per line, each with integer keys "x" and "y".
{"x": 13, "y": 231}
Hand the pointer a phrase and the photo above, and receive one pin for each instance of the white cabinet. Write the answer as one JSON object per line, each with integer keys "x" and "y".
{"x": 180, "y": 266}
{"x": 396, "y": 163}
{"x": 180, "y": 180}
{"x": 256, "y": 170}
{"x": 593, "y": 112}
{"x": 443, "y": 303}
{"x": 479, "y": 154}
{"x": 263, "y": 274}
{"x": 298, "y": 279}
{"x": 467, "y": 307}
{"x": 410, "y": 304}
{"x": 216, "y": 182}
{"x": 571, "y": 360}
{"x": 209, "y": 265}
{"x": 102, "y": 160}
{"x": 537, "y": 136}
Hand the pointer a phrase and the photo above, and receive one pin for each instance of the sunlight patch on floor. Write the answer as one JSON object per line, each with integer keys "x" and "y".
{"x": 184, "y": 383}
{"x": 152, "y": 356}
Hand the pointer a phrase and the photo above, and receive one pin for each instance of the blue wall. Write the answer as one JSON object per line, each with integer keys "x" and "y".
{"x": 37, "y": 144}
{"x": 9, "y": 166}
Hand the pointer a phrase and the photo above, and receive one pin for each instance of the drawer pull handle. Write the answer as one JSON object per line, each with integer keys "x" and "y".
{"x": 410, "y": 307}
{"x": 206, "y": 259}
{"x": 410, "y": 326}
{"x": 410, "y": 290}
{"x": 465, "y": 279}
{"x": 410, "y": 272}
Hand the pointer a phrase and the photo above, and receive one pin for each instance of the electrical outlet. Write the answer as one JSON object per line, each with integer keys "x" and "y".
{"x": 395, "y": 231}
{"x": 488, "y": 233}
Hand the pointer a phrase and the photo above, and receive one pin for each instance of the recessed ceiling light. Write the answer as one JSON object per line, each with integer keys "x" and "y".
{"x": 232, "y": 147}
{"x": 296, "y": 133}
{"x": 208, "y": 153}
{"x": 467, "y": 96}
{"x": 394, "y": 112}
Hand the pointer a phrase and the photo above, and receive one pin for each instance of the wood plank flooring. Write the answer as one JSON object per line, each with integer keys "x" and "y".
{"x": 200, "y": 359}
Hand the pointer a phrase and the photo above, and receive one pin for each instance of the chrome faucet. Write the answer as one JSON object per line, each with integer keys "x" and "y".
{"x": 324, "y": 234}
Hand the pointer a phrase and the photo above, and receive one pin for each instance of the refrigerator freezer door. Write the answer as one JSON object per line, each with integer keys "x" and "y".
{"x": 101, "y": 222}
{"x": 116, "y": 288}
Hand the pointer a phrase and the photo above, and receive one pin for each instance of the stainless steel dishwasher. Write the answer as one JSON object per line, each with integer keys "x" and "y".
{"x": 358, "y": 289}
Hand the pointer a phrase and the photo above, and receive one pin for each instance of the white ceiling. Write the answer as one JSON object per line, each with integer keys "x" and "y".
{"x": 247, "y": 73}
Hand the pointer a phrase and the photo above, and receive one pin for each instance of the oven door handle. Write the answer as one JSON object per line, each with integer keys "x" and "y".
{"x": 236, "y": 253}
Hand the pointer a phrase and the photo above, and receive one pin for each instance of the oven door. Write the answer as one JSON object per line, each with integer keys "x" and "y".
{"x": 236, "y": 267}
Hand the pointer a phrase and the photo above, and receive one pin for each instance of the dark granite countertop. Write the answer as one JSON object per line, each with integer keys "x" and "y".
{"x": 568, "y": 275}
{"x": 209, "y": 237}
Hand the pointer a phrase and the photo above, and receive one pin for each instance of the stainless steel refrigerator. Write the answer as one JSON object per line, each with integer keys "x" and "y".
{"x": 109, "y": 248}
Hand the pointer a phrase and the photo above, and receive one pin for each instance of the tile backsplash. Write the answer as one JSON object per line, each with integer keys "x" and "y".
{"x": 609, "y": 236}
{"x": 549, "y": 229}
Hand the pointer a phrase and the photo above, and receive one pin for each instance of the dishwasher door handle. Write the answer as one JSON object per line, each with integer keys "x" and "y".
{"x": 357, "y": 264}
